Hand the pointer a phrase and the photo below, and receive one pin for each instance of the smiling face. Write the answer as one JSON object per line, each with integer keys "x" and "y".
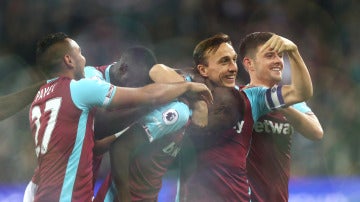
{"x": 221, "y": 67}
{"x": 266, "y": 67}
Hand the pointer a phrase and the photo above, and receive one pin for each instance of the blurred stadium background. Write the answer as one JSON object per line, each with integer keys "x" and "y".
{"x": 326, "y": 32}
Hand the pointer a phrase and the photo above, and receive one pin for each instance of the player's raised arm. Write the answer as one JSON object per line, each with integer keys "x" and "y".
{"x": 157, "y": 93}
{"x": 300, "y": 88}
{"x": 164, "y": 74}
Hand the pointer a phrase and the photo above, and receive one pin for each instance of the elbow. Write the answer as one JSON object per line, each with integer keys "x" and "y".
{"x": 303, "y": 93}
{"x": 307, "y": 94}
{"x": 156, "y": 70}
{"x": 303, "y": 96}
{"x": 310, "y": 91}
{"x": 319, "y": 134}
{"x": 153, "y": 71}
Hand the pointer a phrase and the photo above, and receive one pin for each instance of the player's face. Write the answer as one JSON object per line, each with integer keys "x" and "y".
{"x": 131, "y": 73}
{"x": 78, "y": 60}
{"x": 269, "y": 66}
{"x": 222, "y": 68}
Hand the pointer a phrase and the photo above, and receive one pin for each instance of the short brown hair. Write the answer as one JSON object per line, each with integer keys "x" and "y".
{"x": 251, "y": 41}
{"x": 208, "y": 45}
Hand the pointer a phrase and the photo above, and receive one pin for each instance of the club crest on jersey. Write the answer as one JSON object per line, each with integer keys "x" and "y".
{"x": 170, "y": 116}
{"x": 274, "y": 89}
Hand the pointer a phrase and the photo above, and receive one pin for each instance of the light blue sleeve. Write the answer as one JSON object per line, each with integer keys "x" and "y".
{"x": 187, "y": 77}
{"x": 166, "y": 119}
{"x": 302, "y": 107}
{"x": 89, "y": 93}
{"x": 91, "y": 73}
{"x": 257, "y": 99}
{"x": 107, "y": 73}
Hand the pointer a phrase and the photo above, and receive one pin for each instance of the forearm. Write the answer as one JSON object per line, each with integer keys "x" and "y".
{"x": 119, "y": 161}
{"x": 110, "y": 122}
{"x": 121, "y": 152}
{"x": 101, "y": 146}
{"x": 160, "y": 93}
{"x": 306, "y": 124}
{"x": 163, "y": 74}
{"x": 199, "y": 113}
{"x": 10, "y": 104}
{"x": 166, "y": 92}
{"x": 156, "y": 94}
{"x": 300, "y": 77}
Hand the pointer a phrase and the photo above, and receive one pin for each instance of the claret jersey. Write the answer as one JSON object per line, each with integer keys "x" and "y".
{"x": 61, "y": 122}
{"x": 215, "y": 169}
{"x": 268, "y": 162}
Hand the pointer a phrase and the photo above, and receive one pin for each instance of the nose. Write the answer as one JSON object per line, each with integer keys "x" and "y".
{"x": 278, "y": 57}
{"x": 233, "y": 67}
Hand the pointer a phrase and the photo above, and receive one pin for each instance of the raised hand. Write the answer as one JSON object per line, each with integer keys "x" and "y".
{"x": 279, "y": 44}
{"x": 204, "y": 91}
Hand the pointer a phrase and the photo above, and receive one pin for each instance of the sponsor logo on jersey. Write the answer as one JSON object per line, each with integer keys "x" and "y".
{"x": 272, "y": 127}
{"x": 239, "y": 126}
{"x": 172, "y": 149}
{"x": 170, "y": 116}
{"x": 273, "y": 89}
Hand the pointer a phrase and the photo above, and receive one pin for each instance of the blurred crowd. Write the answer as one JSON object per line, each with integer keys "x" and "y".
{"x": 326, "y": 32}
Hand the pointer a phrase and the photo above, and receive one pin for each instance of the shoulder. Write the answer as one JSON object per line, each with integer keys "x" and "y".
{"x": 92, "y": 72}
{"x": 89, "y": 87}
{"x": 98, "y": 72}
{"x": 254, "y": 93}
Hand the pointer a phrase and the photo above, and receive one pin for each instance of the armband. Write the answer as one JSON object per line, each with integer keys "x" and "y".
{"x": 274, "y": 99}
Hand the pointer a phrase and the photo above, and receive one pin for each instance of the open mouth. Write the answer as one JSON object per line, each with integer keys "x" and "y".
{"x": 230, "y": 77}
{"x": 276, "y": 69}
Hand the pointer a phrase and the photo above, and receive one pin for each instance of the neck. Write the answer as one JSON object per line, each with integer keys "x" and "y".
{"x": 62, "y": 74}
{"x": 255, "y": 82}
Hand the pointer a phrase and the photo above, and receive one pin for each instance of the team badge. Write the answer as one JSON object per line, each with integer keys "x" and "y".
{"x": 274, "y": 89}
{"x": 170, "y": 116}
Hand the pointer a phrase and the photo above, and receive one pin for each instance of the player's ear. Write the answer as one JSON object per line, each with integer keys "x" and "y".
{"x": 248, "y": 64}
{"x": 202, "y": 70}
{"x": 68, "y": 61}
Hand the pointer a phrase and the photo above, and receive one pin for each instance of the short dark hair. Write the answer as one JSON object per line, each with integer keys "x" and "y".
{"x": 47, "y": 41}
{"x": 138, "y": 58}
{"x": 44, "y": 60}
{"x": 143, "y": 54}
{"x": 251, "y": 41}
{"x": 208, "y": 45}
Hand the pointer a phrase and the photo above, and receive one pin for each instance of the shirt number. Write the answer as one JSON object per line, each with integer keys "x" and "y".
{"x": 52, "y": 108}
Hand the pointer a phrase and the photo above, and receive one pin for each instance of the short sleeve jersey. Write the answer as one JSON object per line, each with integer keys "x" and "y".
{"x": 217, "y": 172}
{"x": 61, "y": 122}
{"x": 268, "y": 162}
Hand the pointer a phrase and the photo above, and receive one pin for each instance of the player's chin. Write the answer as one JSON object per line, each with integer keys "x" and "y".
{"x": 277, "y": 76}
{"x": 229, "y": 84}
